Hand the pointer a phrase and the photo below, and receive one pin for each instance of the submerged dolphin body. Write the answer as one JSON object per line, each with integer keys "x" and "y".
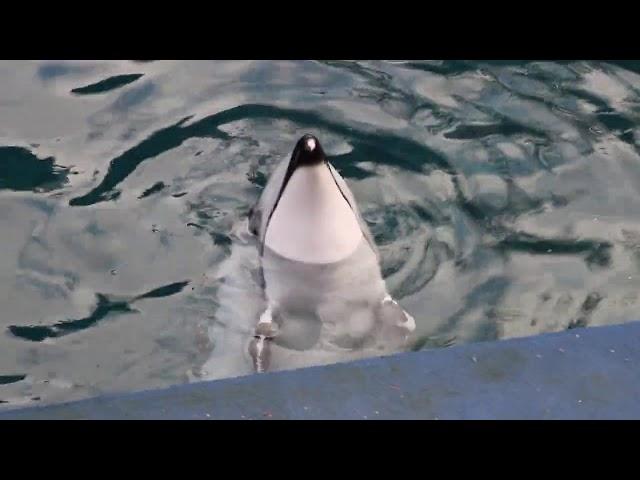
{"x": 324, "y": 292}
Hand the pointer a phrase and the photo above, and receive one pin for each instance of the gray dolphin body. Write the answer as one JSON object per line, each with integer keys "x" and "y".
{"x": 325, "y": 296}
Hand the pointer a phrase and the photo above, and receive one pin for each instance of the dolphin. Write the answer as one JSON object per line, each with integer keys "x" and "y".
{"x": 323, "y": 288}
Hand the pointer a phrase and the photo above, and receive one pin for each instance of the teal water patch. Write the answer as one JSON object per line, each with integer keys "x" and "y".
{"x": 470, "y": 131}
{"x": 22, "y": 170}
{"x": 595, "y": 253}
{"x": 107, "y": 85}
{"x": 38, "y": 333}
{"x": 8, "y": 379}
{"x": 105, "y": 307}
{"x": 155, "y": 188}
{"x": 165, "y": 291}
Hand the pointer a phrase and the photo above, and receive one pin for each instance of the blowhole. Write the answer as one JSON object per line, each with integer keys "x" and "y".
{"x": 310, "y": 144}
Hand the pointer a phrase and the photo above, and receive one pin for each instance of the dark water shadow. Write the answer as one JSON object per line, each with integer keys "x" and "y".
{"x": 8, "y": 379}
{"x": 105, "y": 307}
{"x": 107, "y": 85}
{"x": 21, "y": 170}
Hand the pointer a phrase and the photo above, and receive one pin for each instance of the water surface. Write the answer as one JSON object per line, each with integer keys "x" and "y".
{"x": 503, "y": 196}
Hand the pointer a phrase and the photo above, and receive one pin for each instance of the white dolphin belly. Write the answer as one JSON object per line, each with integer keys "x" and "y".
{"x": 313, "y": 222}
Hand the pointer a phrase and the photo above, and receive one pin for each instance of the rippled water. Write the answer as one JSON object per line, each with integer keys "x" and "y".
{"x": 503, "y": 196}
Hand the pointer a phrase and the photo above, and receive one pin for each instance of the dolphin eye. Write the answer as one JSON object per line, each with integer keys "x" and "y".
{"x": 310, "y": 144}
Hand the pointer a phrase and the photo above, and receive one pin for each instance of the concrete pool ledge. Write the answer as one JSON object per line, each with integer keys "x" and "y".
{"x": 587, "y": 373}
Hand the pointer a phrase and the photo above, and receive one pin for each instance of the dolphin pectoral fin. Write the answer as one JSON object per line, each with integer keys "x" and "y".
{"x": 397, "y": 325}
{"x": 260, "y": 346}
{"x": 260, "y": 351}
{"x": 399, "y": 317}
